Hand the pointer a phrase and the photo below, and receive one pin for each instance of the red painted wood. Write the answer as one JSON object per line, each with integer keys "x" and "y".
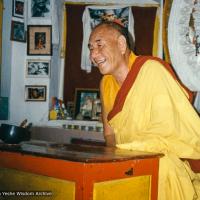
{"x": 82, "y": 173}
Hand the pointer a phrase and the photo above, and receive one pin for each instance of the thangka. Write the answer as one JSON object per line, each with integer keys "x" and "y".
{"x": 93, "y": 15}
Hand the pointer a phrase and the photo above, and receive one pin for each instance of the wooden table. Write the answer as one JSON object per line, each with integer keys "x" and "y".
{"x": 80, "y": 172}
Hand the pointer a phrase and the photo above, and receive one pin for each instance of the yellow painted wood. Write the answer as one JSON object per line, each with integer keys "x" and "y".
{"x": 166, "y": 13}
{"x": 134, "y": 188}
{"x": 14, "y": 180}
{"x": 156, "y": 34}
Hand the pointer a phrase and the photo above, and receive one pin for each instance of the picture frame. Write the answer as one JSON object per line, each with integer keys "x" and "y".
{"x": 35, "y": 92}
{"x": 37, "y": 68}
{"x": 18, "y": 32}
{"x": 96, "y": 109}
{"x": 18, "y": 7}
{"x": 84, "y": 99}
{"x": 39, "y": 9}
{"x": 39, "y": 40}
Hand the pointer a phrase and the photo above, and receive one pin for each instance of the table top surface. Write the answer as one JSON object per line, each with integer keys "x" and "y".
{"x": 76, "y": 152}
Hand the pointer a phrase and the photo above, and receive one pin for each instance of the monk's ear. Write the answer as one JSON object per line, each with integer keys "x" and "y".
{"x": 122, "y": 44}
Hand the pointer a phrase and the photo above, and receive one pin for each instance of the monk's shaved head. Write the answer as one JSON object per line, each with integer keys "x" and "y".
{"x": 115, "y": 28}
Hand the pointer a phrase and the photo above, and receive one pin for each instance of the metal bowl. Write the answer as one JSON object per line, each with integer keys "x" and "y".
{"x": 14, "y": 134}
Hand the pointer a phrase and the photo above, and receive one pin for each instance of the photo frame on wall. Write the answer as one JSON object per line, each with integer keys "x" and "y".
{"x": 39, "y": 40}
{"x": 18, "y": 32}
{"x": 18, "y": 8}
{"x": 35, "y": 92}
{"x": 37, "y": 68}
{"x": 84, "y": 100}
{"x": 39, "y": 9}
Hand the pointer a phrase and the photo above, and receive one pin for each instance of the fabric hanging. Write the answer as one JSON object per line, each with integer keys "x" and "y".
{"x": 197, "y": 102}
{"x": 184, "y": 43}
{"x": 93, "y": 15}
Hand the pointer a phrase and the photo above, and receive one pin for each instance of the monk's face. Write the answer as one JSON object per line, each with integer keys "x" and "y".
{"x": 104, "y": 49}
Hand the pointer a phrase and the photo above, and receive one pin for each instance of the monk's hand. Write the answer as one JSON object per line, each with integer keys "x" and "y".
{"x": 110, "y": 140}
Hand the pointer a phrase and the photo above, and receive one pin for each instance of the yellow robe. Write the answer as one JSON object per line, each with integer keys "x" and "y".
{"x": 110, "y": 87}
{"x": 157, "y": 117}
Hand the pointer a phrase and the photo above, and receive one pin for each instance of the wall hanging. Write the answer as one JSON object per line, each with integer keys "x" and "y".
{"x": 38, "y": 68}
{"x": 39, "y": 40}
{"x": 18, "y": 32}
{"x": 18, "y": 8}
{"x": 39, "y": 8}
{"x": 35, "y": 93}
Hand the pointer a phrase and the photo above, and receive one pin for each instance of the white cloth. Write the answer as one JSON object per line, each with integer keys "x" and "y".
{"x": 180, "y": 52}
{"x": 197, "y": 102}
{"x": 85, "y": 62}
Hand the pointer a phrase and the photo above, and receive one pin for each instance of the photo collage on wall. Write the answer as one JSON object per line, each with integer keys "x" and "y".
{"x": 39, "y": 42}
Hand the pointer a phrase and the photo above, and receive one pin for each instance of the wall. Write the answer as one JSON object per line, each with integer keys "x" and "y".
{"x": 13, "y": 76}
{"x": 14, "y": 64}
{"x": 6, "y": 50}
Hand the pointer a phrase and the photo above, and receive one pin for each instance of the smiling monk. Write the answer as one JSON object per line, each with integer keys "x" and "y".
{"x": 146, "y": 108}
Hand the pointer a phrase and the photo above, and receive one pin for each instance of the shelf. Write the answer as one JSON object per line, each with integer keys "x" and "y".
{"x": 74, "y": 125}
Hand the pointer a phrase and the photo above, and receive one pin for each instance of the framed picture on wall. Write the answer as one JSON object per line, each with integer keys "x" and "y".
{"x": 18, "y": 8}
{"x": 18, "y": 32}
{"x": 84, "y": 99}
{"x": 35, "y": 92}
{"x": 39, "y": 8}
{"x": 37, "y": 68}
{"x": 39, "y": 40}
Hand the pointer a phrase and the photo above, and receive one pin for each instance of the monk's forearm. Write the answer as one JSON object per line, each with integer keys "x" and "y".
{"x": 110, "y": 140}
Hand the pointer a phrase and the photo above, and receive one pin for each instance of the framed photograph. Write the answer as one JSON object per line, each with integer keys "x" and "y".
{"x": 84, "y": 99}
{"x": 35, "y": 92}
{"x": 38, "y": 68}
{"x": 18, "y": 8}
{"x": 39, "y": 8}
{"x": 96, "y": 109}
{"x": 18, "y": 32}
{"x": 39, "y": 40}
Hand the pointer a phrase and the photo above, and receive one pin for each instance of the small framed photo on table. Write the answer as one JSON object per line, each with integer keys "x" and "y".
{"x": 38, "y": 68}
{"x": 18, "y": 8}
{"x": 35, "y": 92}
{"x": 84, "y": 99}
{"x": 39, "y": 40}
{"x": 18, "y": 32}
